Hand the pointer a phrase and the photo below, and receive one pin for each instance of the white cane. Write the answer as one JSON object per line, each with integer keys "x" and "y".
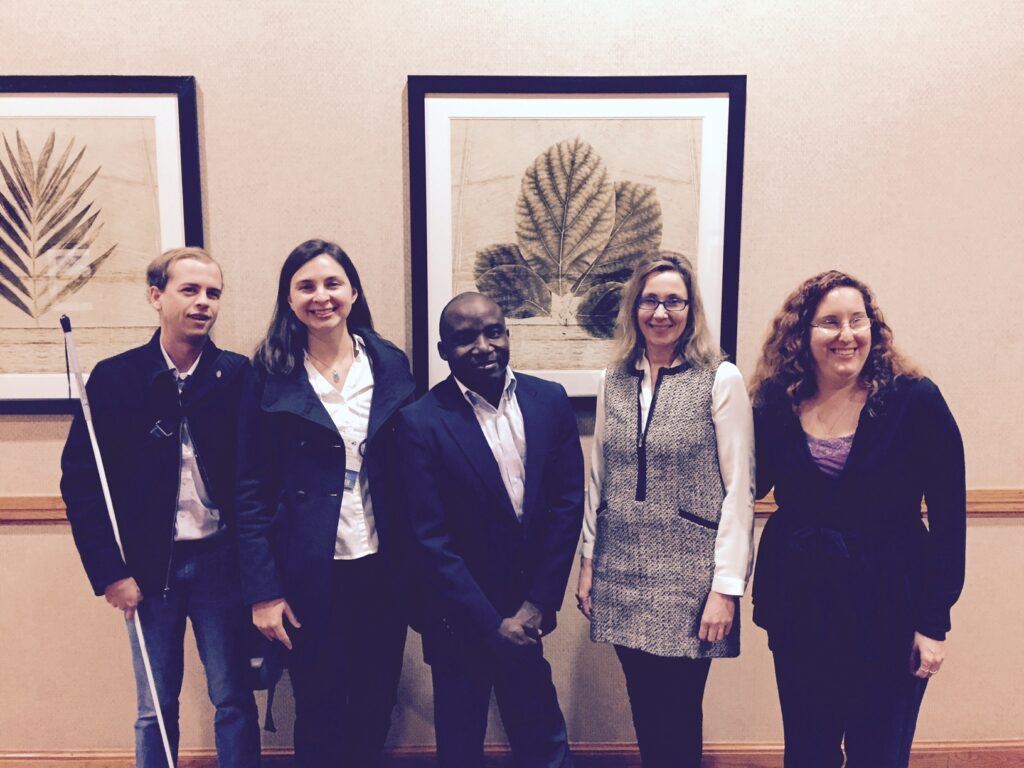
{"x": 76, "y": 370}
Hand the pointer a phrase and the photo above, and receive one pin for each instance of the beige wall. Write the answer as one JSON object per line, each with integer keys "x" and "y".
{"x": 882, "y": 137}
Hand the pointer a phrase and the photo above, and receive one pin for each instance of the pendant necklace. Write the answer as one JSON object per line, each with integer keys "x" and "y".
{"x": 334, "y": 372}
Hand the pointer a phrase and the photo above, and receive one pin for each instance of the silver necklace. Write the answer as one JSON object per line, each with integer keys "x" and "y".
{"x": 334, "y": 371}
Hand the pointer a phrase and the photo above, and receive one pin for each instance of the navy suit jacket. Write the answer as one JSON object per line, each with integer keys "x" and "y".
{"x": 477, "y": 563}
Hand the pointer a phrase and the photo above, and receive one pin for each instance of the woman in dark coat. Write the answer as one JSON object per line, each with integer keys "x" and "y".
{"x": 317, "y": 503}
{"x": 853, "y": 588}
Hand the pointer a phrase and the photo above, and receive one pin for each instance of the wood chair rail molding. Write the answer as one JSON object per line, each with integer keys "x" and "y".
{"x": 981, "y": 502}
{"x": 977, "y": 754}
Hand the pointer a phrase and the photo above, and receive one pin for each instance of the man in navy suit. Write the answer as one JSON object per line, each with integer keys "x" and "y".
{"x": 493, "y": 474}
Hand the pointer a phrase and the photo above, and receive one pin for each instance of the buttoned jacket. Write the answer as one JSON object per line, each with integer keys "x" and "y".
{"x": 479, "y": 562}
{"x": 292, "y": 474}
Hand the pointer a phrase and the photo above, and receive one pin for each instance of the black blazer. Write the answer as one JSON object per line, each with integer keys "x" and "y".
{"x": 137, "y": 414}
{"x": 291, "y": 474}
{"x": 479, "y": 562}
{"x": 849, "y": 557}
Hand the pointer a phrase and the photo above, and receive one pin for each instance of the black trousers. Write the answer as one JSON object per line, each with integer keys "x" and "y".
{"x": 666, "y": 696}
{"x": 346, "y": 680}
{"x": 825, "y": 697}
{"x": 527, "y": 700}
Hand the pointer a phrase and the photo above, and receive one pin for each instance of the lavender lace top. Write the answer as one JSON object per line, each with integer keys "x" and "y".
{"x": 830, "y": 453}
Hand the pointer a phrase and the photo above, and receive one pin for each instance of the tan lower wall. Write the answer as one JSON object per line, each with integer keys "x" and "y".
{"x": 925, "y": 755}
{"x": 64, "y": 647}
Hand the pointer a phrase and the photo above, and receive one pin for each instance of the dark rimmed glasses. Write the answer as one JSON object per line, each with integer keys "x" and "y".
{"x": 671, "y": 304}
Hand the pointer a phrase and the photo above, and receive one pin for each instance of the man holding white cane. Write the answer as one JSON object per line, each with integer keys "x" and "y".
{"x": 165, "y": 416}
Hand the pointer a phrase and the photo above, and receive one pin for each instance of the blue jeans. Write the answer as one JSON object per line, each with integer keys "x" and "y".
{"x": 204, "y": 587}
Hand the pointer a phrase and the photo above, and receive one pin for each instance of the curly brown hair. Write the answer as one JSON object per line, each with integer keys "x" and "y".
{"x": 786, "y": 360}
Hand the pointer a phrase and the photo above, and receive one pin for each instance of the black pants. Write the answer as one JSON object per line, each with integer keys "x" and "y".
{"x": 666, "y": 695}
{"x": 346, "y": 679}
{"x": 825, "y": 697}
{"x": 521, "y": 680}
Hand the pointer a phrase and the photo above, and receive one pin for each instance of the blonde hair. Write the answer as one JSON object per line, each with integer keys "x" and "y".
{"x": 696, "y": 345}
{"x": 159, "y": 270}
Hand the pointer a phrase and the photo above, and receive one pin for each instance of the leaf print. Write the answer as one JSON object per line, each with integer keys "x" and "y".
{"x": 599, "y": 309}
{"x": 565, "y": 212}
{"x": 517, "y": 290}
{"x": 46, "y": 233}
{"x": 497, "y": 256}
{"x": 579, "y": 237}
{"x": 637, "y": 231}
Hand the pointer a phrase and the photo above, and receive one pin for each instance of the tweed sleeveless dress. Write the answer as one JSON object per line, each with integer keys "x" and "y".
{"x": 661, "y": 500}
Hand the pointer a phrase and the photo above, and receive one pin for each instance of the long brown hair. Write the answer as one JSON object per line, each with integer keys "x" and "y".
{"x": 696, "y": 346}
{"x": 282, "y": 348}
{"x": 786, "y": 359}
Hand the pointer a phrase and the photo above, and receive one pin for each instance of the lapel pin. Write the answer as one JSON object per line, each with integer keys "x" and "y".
{"x": 217, "y": 374}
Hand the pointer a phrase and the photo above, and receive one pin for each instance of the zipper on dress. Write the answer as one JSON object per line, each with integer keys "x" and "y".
{"x": 641, "y": 441}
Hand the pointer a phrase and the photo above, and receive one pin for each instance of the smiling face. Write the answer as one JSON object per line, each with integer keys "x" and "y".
{"x": 321, "y": 295}
{"x": 474, "y": 342}
{"x": 839, "y": 357}
{"x": 189, "y": 302}
{"x": 660, "y": 328}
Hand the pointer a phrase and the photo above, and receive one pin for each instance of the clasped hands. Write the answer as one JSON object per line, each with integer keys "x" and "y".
{"x": 522, "y": 628}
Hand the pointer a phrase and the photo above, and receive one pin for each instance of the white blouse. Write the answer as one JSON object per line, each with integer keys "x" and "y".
{"x": 734, "y": 433}
{"x": 349, "y": 409}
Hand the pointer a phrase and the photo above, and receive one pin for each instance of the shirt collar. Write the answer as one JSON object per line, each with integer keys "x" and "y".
{"x": 173, "y": 367}
{"x": 473, "y": 398}
{"x": 644, "y": 365}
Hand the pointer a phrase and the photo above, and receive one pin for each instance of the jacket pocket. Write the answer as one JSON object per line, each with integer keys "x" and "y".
{"x": 697, "y": 520}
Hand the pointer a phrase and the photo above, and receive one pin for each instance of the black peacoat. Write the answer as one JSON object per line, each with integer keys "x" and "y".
{"x": 291, "y": 472}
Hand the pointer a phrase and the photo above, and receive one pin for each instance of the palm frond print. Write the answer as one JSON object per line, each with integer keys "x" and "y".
{"x": 47, "y": 228}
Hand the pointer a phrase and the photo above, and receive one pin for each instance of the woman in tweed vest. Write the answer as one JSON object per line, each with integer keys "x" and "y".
{"x": 668, "y": 534}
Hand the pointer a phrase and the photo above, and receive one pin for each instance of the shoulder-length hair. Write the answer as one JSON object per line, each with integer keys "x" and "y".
{"x": 786, "y": 359}
{"x": 285, "y": 343}
{"x": 695, "y": 346}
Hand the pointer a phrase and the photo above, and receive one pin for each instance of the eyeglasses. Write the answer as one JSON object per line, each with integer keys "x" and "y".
{"x": 833, "y": 325}
{"x": 671, "y": 304}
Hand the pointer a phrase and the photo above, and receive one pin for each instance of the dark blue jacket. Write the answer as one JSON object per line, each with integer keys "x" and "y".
{"x": 847, "y": 560}
{"x": 291, "y": 477}
{"x": 137, "y": 415}
{"x": 478, "y": 561}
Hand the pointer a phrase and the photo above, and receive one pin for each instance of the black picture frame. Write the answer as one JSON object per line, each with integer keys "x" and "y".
{"x": 426, "y": 300}
{"x": 180, "y": 89}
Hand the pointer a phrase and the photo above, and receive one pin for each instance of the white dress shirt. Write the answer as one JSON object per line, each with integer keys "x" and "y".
{"x": 506, "y": 436}
{"x": 734, "y": 433}
{"x": 349, "y": 409}
{"x": 197, "y": 516}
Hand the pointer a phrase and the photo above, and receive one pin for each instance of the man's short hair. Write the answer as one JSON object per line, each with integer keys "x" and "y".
{"x": 159, "y": 269}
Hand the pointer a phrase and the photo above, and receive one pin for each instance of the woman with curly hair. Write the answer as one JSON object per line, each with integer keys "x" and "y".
{"x": 669, "y": 525}
{"x": 852, "y": 587}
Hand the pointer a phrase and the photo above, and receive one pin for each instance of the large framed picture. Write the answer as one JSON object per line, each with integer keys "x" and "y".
{"x": 543, "y": 192}
{"x": 98, "y": 175}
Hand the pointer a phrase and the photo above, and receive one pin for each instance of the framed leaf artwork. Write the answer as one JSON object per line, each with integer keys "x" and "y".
{"x": 543, "y": 192}
{"x": 98, "y": 175}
